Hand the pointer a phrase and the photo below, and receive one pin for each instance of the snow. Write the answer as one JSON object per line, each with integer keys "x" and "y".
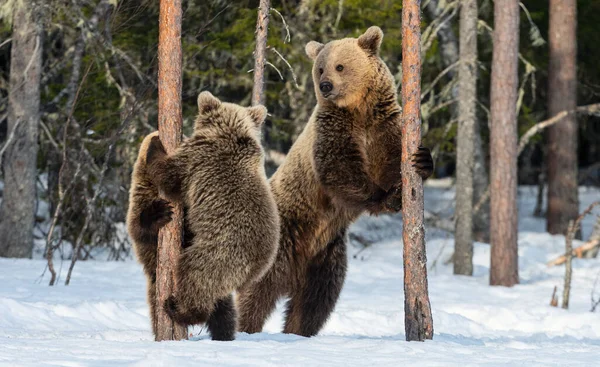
{"x": 101, "y": 319}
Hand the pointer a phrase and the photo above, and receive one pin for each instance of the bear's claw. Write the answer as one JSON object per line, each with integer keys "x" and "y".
{"x": 423, "y": 162}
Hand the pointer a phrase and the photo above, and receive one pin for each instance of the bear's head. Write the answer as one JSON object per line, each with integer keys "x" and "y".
{"x": 344, "y": 70}
{"x": 224, "y": 120}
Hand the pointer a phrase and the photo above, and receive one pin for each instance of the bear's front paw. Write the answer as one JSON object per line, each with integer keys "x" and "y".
{"x": 159, "y": 213}
{"x": 423, "y": 162}
{"x": 155, "y": 150}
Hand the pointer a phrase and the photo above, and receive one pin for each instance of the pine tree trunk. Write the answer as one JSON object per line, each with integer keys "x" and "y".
{"x": 503, "y": 144}
{"x": 449, "y": 53}
{"x": 17, "y": 211}
{"x": 561, "y": 157}
{"x": 418, "y": 323}
{"x": 465, "y": 141}
{"x": 170, "y": 131}
{"x": 262, "y": 28}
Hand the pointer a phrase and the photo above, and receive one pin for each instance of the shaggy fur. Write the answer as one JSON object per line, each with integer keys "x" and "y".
{"x": 345, "y": 162}
{"x": 232, "y": 225}
{"x": 147, "y": 213}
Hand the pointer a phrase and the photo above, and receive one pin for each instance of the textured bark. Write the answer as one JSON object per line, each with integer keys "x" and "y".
{"x": 481, "y": 182}
{"x": 503, "y": 147}
{"x": 418, "y": 323}
{"x": 561, "y": 157}
{"x": 17, "y": 211}
{"x": 465, "y": 141}
{"x": 262, "y": 28}
{"x": 170, "y": 123}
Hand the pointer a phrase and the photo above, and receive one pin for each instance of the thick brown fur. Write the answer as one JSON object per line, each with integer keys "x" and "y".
{"x": 232, "y": 223}
{"x": 147, "y": 212}
{"x": 345, "y": 162}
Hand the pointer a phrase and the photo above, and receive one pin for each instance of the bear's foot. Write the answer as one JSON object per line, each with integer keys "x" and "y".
{"x": 184, "y": 317}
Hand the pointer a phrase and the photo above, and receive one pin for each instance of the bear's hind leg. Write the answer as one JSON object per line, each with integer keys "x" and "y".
{"x": 310, "y": 307}
{"x": 256, "y": 302}
{"x": 222, "y": 323}
{"x": 152, "y": 303}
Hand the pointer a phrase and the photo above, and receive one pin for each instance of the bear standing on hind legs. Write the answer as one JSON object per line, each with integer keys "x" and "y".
{"x": 230, "y": 217}
{"x": 231, "y": 221}
{"x": 345, "y": 162}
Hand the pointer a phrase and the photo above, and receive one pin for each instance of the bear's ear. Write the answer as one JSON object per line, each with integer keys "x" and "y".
{"x": 370, "y": 41}
{"x": 258, "y": 114}
{"x": 313, "y": 48}
{"x": 207, "y": 102}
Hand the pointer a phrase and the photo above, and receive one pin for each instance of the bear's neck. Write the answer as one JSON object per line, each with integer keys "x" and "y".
{"x": 377, "y": 103}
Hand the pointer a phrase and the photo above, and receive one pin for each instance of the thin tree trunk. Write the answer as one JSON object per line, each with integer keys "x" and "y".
{"x": 418, "y": 323}
{"x": 465, "y": 147}
{"x": 17, "y": 211}
{"x": 170, "y": 238}
{"x": 481, "y": 221}
{"x": 449, "y": 52}
{"x": 561, "y": 157}
{"x": 504, "y": 258}
{"x": 262, "y": 28}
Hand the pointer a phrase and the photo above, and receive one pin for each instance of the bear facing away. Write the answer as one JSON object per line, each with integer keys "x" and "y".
{"x": 232, "y": 224}
{"x": 231, "y": 221}
{"x": 345, "y": 162}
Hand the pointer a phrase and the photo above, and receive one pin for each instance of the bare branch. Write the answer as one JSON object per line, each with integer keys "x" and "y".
{"x": 588, "y": 109}
{"x": 288, "y": 65}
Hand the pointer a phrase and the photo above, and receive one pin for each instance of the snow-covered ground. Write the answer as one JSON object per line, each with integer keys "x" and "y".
{"x": 101, "y": 319}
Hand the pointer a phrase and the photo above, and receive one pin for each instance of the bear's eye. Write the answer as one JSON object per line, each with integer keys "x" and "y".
{"x": 339, "y": 68}
{"x": 321, "y": 71}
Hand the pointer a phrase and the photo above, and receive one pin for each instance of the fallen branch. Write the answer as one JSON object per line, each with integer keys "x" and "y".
{"x": 588, "y": 109}
{"x": 578, "y": 252}
{"x": 581, "y": 250}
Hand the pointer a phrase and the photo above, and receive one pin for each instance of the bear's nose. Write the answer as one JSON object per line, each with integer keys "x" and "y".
{"x": 326, "y": 87}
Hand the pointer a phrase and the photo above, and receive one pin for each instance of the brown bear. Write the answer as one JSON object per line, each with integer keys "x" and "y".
{"x": 231, "y": 220}
{"x": 345, "y": 162}
{"x": 146, "y": 214}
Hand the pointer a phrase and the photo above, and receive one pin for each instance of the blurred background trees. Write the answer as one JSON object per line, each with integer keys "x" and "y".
{"x": 99, "y": 74}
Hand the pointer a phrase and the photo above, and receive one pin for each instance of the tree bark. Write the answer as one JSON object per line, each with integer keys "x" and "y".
{"x": 170, "y": 123}
{"x": 418, "y": 323}
{"x": 503, "y": 147}
{"x": 465, "y": 140}
{"x": 17, "y": 211}
{"x": 561, "y": 157}
{"x": 262, "y": 28}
